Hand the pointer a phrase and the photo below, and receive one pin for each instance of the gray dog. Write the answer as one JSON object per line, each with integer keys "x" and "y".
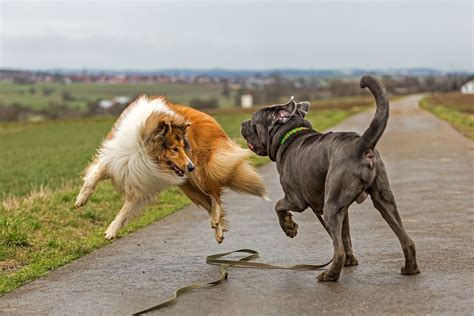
{"x": 328, "y": 172}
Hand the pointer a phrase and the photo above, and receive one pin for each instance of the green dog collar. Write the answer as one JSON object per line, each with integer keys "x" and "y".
{"x": 291, "y": 132}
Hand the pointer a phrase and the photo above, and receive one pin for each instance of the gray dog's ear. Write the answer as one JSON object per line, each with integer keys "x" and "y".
{"x": 285, "y": 112}
{"x": 303, "y": 108}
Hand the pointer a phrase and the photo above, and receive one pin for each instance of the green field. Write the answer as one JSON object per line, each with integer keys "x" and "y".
{"x": 36, "y": 95}
{"x": 455, "y": 108}
{"x": 39, "y": 228}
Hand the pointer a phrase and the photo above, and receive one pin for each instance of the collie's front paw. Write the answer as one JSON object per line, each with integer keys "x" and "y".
{"x": 111, "y": 231}
{"x": 109, "y": 235}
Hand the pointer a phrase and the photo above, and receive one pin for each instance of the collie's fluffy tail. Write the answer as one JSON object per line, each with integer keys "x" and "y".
{"x": 372, "y": 135}
{"x": 232, "y": 164}
{"x": 247, "y": 180}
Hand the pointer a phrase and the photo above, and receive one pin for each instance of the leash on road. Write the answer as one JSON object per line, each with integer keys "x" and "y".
{"x": 224, "y": 264}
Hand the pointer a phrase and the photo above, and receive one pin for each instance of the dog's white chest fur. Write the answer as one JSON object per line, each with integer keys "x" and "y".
{"x": 127, "y": 161}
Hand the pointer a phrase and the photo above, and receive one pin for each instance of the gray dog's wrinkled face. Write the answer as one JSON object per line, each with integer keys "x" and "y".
{"x": 257, "y": 130}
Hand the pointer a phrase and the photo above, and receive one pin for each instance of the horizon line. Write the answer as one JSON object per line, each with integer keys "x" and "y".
{"x": 230, "y": 69}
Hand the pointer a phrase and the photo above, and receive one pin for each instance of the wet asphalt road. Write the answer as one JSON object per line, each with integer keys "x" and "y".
{"x": 431, "y": 170}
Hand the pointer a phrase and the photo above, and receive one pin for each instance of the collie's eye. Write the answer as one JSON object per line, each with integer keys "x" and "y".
{"x": 175, "y": 149}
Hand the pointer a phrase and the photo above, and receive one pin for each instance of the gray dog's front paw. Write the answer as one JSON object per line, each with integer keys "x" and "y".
{"x": 288, "y": 226}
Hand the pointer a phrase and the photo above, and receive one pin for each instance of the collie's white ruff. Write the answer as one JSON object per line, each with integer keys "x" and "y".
{"x": 127, "y": 163}
{"x": 125, "y": 157}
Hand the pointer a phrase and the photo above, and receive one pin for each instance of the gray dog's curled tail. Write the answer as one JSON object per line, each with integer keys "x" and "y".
{"x": 372, "y": 135}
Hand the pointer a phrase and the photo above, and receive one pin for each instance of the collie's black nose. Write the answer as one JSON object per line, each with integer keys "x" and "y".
{"x": 190, "y": 167}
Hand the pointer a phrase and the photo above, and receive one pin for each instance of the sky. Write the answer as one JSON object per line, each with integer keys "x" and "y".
{"x": 150, "y": 35}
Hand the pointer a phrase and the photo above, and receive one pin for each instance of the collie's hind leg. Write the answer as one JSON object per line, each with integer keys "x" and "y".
{"x": 218, "y": 222}
{"x": 216, "y": 212}
{"x": 212, "y": 205}
{"x": 130, "y": 209}
{"x": 196, "y": 195}
{"x": 94, "y": 173}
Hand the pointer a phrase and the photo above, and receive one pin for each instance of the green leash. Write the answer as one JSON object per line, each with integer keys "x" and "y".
{"x": 223, "y": 264}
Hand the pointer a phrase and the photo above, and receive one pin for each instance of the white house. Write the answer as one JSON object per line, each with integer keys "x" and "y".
{"x": 106, "y": 104}
{"x": 122, "y": 100}
{"x": 246, "y": 101}
{"x": 468, "y": 87}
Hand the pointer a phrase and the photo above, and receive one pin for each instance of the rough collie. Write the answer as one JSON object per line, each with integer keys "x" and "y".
{"x": 155, "y": 144}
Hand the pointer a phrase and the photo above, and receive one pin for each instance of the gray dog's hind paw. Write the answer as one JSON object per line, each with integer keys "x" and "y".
{"x": 326, "y": 276}
{"x": 289, "y": 227}
{"x": 351, "y": 261}
{"x": 410, "y": 271}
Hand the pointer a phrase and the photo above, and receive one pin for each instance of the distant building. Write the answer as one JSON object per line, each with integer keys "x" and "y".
{"x": 106, "y": 104}
{"x": 122, "y": 100}
{"x": 246, "y": 101}
{"x": 468, "y": 87}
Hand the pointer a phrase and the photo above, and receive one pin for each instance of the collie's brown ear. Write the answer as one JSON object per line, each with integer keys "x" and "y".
{"x": 164, "y": 127}
{"x": 162, "y": 130}
{"x": 185, "y": 126}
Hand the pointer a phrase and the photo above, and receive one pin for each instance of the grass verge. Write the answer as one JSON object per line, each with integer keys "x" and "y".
{"x": 456, "y": 109}
{"x": 40, "y": 229}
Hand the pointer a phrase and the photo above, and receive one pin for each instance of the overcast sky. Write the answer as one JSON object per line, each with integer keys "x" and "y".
{"x": 237, "y": 35}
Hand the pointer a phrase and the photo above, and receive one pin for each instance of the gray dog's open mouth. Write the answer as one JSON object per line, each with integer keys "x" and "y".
{"x": 176, "y": 169}
{"x": 256, "y": 149}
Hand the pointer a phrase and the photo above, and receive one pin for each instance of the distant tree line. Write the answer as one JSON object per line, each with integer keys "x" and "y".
{"x": 211, "y": 103}
{"x": 269, "y": 90}
{"x": 54, "y": 111}
{"x": 279, "y": 88}
{"x": 61, "y": 110}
